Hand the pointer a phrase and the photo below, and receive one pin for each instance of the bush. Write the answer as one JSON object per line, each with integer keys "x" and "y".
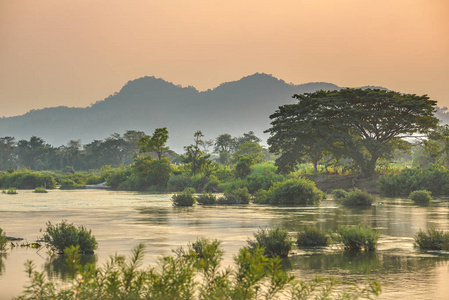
{"x": 432, "y": 239}
{"x": 27, "y": 180}
{"x": 358, "y": 237}
{"x": 63, "y": 235}
{"x": 421, "y": 196}
{"x": 294, "y": 191}
{"x": 311, "y": 236}
{"x": 237, "y": 196}
{"x": 262, "y": 177}
{"x": 357, "y": 198}
{"x": 68, "y": 184}
{"x": 184, "y": 199}
{"x": 339, "y": 194}
{"x": 40, "y": 190}
{"x": 177, "y": 183}
{"x": 10, "y": 191}
{"x": 213, "y": 185}
{"x": 3, "y": 240}
{"x": 206, "y": 199}
{"x": 275, "y": 241}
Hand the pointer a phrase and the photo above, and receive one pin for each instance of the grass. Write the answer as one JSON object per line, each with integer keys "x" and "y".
{"x": 310, "y": 236}
{"x": 432, "y": 239}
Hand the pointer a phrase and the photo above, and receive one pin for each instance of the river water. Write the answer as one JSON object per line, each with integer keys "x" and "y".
{"x": 121, "y": 220}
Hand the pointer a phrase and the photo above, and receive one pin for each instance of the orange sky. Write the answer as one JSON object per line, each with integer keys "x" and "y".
{"x": 74, "y": 53}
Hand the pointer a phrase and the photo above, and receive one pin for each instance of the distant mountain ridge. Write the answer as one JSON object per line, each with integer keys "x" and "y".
{"x": 149, "y": 102}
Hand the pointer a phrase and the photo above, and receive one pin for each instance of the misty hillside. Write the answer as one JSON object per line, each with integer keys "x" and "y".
{"x": 148, "y": 103}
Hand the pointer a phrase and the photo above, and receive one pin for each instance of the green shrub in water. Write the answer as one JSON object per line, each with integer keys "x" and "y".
{"x": 358, "y": 237}
{"x": 421, "y": 196}
{"x": 310, "y": 236}
{"x": 206, "y": 199}
{"x": 185, "y": 198}
{"x": 236, "y": 196}
{"x": 10, "y": 191}
{"x": 3, "y": 240}
{"x": 295, "y": 191}
{"x": 275, "y": 241}
{"x": 64, "y": 234}
{"x": 357, "y": 198}
{"x": 192, "y": 273}
{"x": 432, "y": 239}
{"x": 40, "y": 190}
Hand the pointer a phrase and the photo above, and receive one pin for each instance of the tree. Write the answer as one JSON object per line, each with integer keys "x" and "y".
{"x": 196, "y": 158}
{"x": 155, "y": 143}
{"x": 251, "y": 150}
{"x": 363, "y": 125}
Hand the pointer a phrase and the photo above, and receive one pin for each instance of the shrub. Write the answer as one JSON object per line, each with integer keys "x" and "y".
{"x": 10, "y": 191}
{"x": 432, "y": 239}
{"x": 357, "y": 198}
{"x": 40, "y": 190}
{"x": 213, "y": 186}
{"x": 3, "y": 240}
{"x": 238, "y": 196}
{"x": 27, "y": 180}
{"x": 275, "y": 241}
{"x": 294, "y": 191}
{"x": 177, "y": 183}
{"x": 262, "y": 177}
{"x": 63, "y": 235}
{"x": 184, "y": 199}
{"x": 68, "y": 184}
{"x": 421, "y": 196}
{"x": 206, "y": 199}
{"x": 339, "y": 194}
{"x": 311, "y": 236}
{"x": 358, "y": 237}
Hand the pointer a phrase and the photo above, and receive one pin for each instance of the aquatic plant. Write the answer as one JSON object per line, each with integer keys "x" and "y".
{"x": 310, "y": 236}
{"x": 3, "y": 239}
{"x": 191, "y": 273}
{"x": 294, "y": 191}
{"x": 357, "y": 198}
{"x": 63, "y": 235}
{"x": 357, "y": 237}
{"x": 275, "y": 241}
{"x": 421, "y": 196}
{"x": 10, "y": 191}
{"x": 432, "y": 239}
{"x": 206, "y": 199}
{"x": 40, "y": 190}
{"x": 185, "y": 198}
{"x": 339, "y": 194}
{"x": 237, "y": 196}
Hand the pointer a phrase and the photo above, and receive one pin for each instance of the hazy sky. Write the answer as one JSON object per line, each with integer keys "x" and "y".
{"x": 77, "y": 52}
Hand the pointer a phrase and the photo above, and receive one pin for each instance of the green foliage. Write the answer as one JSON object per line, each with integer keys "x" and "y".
{"x": 250, "y": 150}
{"x": 346, "y": 124}
{"x": 206, "y": 199}
{"x": 192, "y": 273}
{"x": 357, "y": 237}
{"x": 294, "y": 191}
{"x": 432, "y": 239}
{"x": 243, "y": 166}
{"x": 274, "y": 241}
{"x": 421, "y": 196}
{"x": 357, "y": 198}
{"x": 434, "y": 179}
{"x": 27, "y": 180}
{"x": 339, "y": 194}
{"x": 236, "y": 196}
{"x": 177, "y": 183}
{"x": 262, "y": 177}
{"x": 69, "y": 184}
{"x": 40, "y": 190}
{"x": 310, "y": 236}
{"x": 10, "y": 191}
{"x": 155, "y": 143}
{"x": 213, "y": 185}
{"x": 63, "y": 235}
{"x": 3, "y": 240}
{"x": 185, "y": 198}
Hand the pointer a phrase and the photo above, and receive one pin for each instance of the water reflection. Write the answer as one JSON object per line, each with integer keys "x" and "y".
{"x": 56, "y": 267}
{"x": 3, "y": 257}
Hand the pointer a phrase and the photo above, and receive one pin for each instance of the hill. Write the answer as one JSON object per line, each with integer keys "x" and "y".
{"x": 148, "y": 103}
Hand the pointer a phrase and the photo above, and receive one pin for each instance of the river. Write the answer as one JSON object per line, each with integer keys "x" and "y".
{"x": 120, "y": 220}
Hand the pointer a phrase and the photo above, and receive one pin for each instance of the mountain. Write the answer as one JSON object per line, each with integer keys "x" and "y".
{"x": 148, "y": 103}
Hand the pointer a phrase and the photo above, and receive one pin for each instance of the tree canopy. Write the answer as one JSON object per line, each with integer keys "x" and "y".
{"x": 363, "y": 125}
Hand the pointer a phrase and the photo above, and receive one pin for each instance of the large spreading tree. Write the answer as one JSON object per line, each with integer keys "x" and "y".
{"x": 363, "y": 125}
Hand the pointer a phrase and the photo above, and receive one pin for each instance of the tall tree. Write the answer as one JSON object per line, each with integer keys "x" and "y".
{"x": 364, "y": 125}
{"x": 155, "y": 143}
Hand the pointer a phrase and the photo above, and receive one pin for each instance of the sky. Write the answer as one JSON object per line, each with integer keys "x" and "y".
{"x": 74, "y": 53}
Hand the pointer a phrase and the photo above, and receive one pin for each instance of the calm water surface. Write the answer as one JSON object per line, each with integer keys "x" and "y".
{"x": 120, "y": 220}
